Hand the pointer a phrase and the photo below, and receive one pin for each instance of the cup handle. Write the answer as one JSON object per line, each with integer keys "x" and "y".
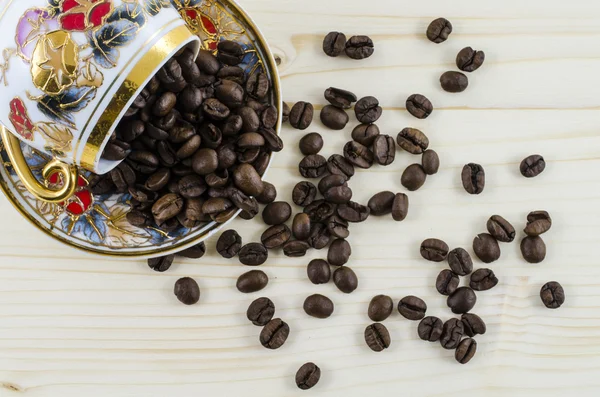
{"x": 69, "y": 172}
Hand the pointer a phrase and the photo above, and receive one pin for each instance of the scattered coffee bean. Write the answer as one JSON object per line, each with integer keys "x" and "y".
{"x": 276, "y": 213}
{"x": 353, "y": 212}
{"x": 460, "y": 261}
{"x": 253, "y": 254}
{"x": 501, "y": 229}
{"x": 538, "y": 222}
{"x": 365, "y": 134}
{"x": 434, "y": 250}
{"x": 413, "y": 140}
{"x": 473, "y": 178}
{"x": 430, "y": 329}
{"x": 311, "y": 143}
{"x": 380, "y": 308}
{"x": 161, "y": 264}
{"x": 465, "y": 350}
{"x": 439, "y": 30}
{"x": 469, "y": 60}
{"x": 187, "y": 291}
{"x": 318, "y": 271}
{"x": 276, "y": 236}
{"x": 334, "y": 44}
{"x": 339, "y": 252}
{"x": 333, "y": 117}
{"x": 338, "y": 165}
{"x": 473, "y": 324}
{"x": 229, "y": 244}
{"x": 286, "y": 112}
{"x": 486, "y": 248}
{"x": 377, "y": 337}
{"x": 313, "y": 166}
{"x": 532, "y": 166}
{"x": 359, "y": 47}
{"x": 400, "y": 207}
{"x": 384, "y": 150}
{"x": 337, "y": 227}
{"x": 430, "y": 162}
{"x": 340, "y": 98}
{"x": 367, "y": 110}
{"x": 553, "y": 295}
{"x": 452, "y": 333}
{"x": 304, "y": 193}
{"x": 412, "y": 308}
{"x": 483, "y": 280}
{"x": 308, "y": 376}
{"x": 381, "y": 203}
{"x": 533, "y": 249}
{"x": 359, "y": 155}
{"x": 301, "y": 226}
{"x": 413, "y": 177}
{"x": 301, "y": 115}
{"x": 274, "y": 334}
{"x": 252, "y": 281}
{"x": 419, "y": 106}
{"x": 261, "y": 311}
{"x": 345, "y": 279}
{"x": 447, "y": 282}
{"x": 454, "y": 82}
{"x": 462, "y": 300}
{"x": 295, "y": 248}
{"x": 318, "y": 306}
{"x": 194, "y": 252}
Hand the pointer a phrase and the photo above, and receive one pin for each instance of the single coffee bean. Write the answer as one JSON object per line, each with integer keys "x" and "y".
{"x": 132, "y": 130}
{"x": 250, "y": 122}
{"x": 268, "y": 117}
{"x": 460, "y": 261}
{"x": 205, "y": 161}
{"x": 301, "y": 115}
{"x": 318, "y": 271}
{"x": 308, "y": 376}
{"x": 158, "y": 180}
{"x": 359, "y": 155}
{"x": 161, "y": 264}
{"x": 339, "y": 252}
{"x": 334, "y": 44}
{"x": 139, "y": 218}
{"x": 473, "y": 324}
{"x": 533, "y": 249}
{"x": 192, "y": 213}
{"x": 345, "y": 279}
{"x": 380, "y": 308}
{"x": 439, "y": 30}
{"x": 353, "y": 212}
{"x": 430, "y": 329}
{"x": 447, "y": 282}
{"x": 257, "y": 85}
{"x": 337, "y": 227}
{"x": 365, "y": 134}
{"x": 413, "y": 177}
{"x": 473, "y": 178}
{"x": 384, "y": 150}
{"x": 469, "y": 60}
{"x": 276, "y": 236}
{"x": 400, "y": 207}
{"x": 167, "y": 207}
{"x": 276, "y": 213}
{"x": 381, "y": 203}
{"x": 235, "y": 74}
{"x": 253, "y": 254}
{"x": 419, "y": 106}
{"x": 171, "y": 76}
{"x": 301, "y": 226}
{"x": 359, "y": 47}
{"x": 538, "y": 222}
{"x": 319, "y": 236}
{"x": 272, "y": 141}
{"x": 338, "y": 165}
{"x": 483, "y": 280}
{"x": 268, "y": 195}
{"x": 274, "y": 334}
{"x": 434, "y": 250}
{"x": 215, "y": 109}
{"x": 295, "y": 248}
{"x": 413, "y": 140}
{"x": 232, "y": 125}
{"x": 207, "y": 62}
{"x": 252, "y": 281}
{"x": 181, "y": 133}
{"x": 319, "y": 210}
{"x": 454, "y": 82}
{"x": 465, "y": 350}
{"x": 189, "y": 148}
{"x": 340, "y": 98}
{"x": 377, "y": 337}
{"x": 501, "y": 229}
{"x": 285, "y": 113}
{"x": 262, "y": 162}
{"x": 216, "y": 205}
{"x": 230, "y": 52}
{"x": 452, "y": 333}
{"x": 412, "y": 308}
{"x": 335, "y": 189}
{"x": 333, "y": 117}
{"x": 430, "y": 162}
{"x": 318, "y": 306}
{"x": 164, "y": 104}
{"x": 552, "y": 295}
{"x": 261, "y": 311}
{"x": 462, "y": 300}
{"x": 229, "y": 244}
{"x": 187, "y": 291}
{"x": 532, "y": 166}
{"x": 248, "y": 180}
{"x": 367, "y": 110}
{"x": 486, "y": 248}
{"x": 194, "y": 252}
{"x": 304, "y": 193}
{"x": 311, "y": 143}
{"x": 190, "y": 98}
{"x": 313, "y": 166}
{"x": 115, "y": 151}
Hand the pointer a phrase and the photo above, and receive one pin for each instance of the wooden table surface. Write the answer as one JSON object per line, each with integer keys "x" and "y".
{"x": 78, "y": 325}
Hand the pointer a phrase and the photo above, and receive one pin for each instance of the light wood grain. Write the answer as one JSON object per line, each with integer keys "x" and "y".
{"x": 79, "y": 325}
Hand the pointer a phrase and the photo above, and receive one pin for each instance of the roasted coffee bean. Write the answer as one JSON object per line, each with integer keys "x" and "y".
{"x": 452, "y": 333}
{"x": 338, "y": 165}
{"x": 123, "y": 177}
{"x": 229, "y": 244}
{"x": 486, "y": 248}
{"x": 430, "y": 329}
{"x": 318, "y": 271}
{"x": 268, "y": 195}
{"x": 169, "y": 225}
{"x": 462, "y": 300}
{"x": 377, "y": 337}
{"x": 230, "y": 93}
{"x": 194, "y": 252}
{"x": 473, "y": 178}
{"x": 189, "y": 148}
{"x": 139, "y": 218}
{"x": 446, "y": 282}
{"x": 430, "y": 162}
{"x": 232, "y": 125}
{"x": 230, "y": 52}
{"x": 248, "y": 155}
{"x": 465, "y": 350}
{"x": 216, "y": 205}
{"x": 232, "y": 73}
{"x": 161, "y": 264}
{"x": 171, "y": 76}
{"x": 224, "y": 216}
{"x": 181, "y": 133}
{"x": 384, "y": 150}
{"x": 205, "y": 161}
{"x": 187, "y": 291}
{"x": 439, "y": 30}
{"x": 345, "y": 279}
{"x": 164, "y": 104}
{"x": 132, "y": 130}
{"x": 412, "y": 308}
{"x": 460, "y": 261}
{"x": 311, "y": 143}
{"x": 219, "y": 178}
{"x": 189, "y": 69}
{"x": 434, "y": 250}
{"x": 552, "y": 295}
{"x": 483, "y": 280}
{"x": 272, "y": 141}
{"x": 158, "y": 180}
{"x": 285, "y": 113}
{"x": 261, "y": 311}
{"x": 333, "y": 117}
{"x": 334, "y": 44}
{"x": 140, "y": 100}
{"x": 274, "y": 334}
{"x": 192, "y": 213}
{"x": 250, "y": 122}
{"x": 367, "y": 110}
{"x": 381, "y": 203}
{"x": 257, "y": 85}
{"x": 419, "y": 106}
{"x": 102, "y": 184}
{"x": 166, "y": 123}
{"x": 262, "y": 162}
{"x": 337, "y": 194}
{"x": 308, "y": 376}
{"x": 353, "y": 212}
{"x": 473, "y": 324}
{"x": 304, "y": 193}
{"x": 413, "y": 177}
{"x": 252, "y": 281}
{"x": 337, "y": 227}
{"x": 313, "y": 166}
{"x": 380, "y": 308}
{"x": 319, "y": 236}
{"x": 454, "y": 82}
{"x": 115, "y": 151}
{"x": 532, "y": 166}
{"x": 413, "y": 140}
{"x": 538, "y": 222}
{"x": 145, "y": 142}
{"x": 142, "y": 195}
{"x": 340, "y": 98}
{"x": 207, "y": 62}
{"x": 295, "y": 248}
{"x": 190, "y": 99}
{"x": 533, "y": 249}
{"x": 215, "y": 109}
{"x": 365, "y": 134}
{"x": 501, "y": 229}
{"x": 276, "y": 236}
{"x": 167, "y": 207}
{"x": 268, "y": 117}
{"x": 251, "y": 212}
{"x": 359, "y": 155}
{"x": 276, "y": 213}
{"x": 359, "y": 47}
{"x": 301, "y": 226}
{"x": 400, "y": 207}
{"x": 301, "y": 115}
{"x": 318, "y": 306}
{"x": 253, "y": 254}
{"x": 339, "y": 252}
{"x": 248, "y": 180}
{"x": 469, "y": 60}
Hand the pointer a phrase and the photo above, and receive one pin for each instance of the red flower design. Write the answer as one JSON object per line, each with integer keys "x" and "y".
{"x": 200, "y": 21}
{"x": 80, "y": 202}
{"x": 82, "y": 15}
{"x": 20, "y": 119}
